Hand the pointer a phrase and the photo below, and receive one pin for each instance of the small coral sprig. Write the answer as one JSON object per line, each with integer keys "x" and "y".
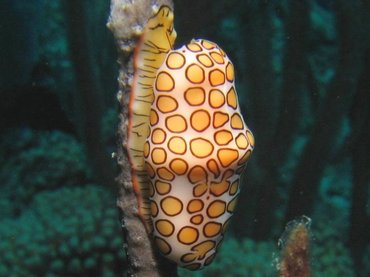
{"x": 294, "y": 255}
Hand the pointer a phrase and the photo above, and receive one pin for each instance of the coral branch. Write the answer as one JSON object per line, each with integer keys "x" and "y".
{"x": 126, "y": 21}
{"x": 295, "y": 249}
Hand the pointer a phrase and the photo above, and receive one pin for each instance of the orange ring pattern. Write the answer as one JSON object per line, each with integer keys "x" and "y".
{"x": 197, "y": 146}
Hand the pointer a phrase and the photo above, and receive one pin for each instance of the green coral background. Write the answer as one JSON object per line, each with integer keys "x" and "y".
{"x": 62, "y": 225}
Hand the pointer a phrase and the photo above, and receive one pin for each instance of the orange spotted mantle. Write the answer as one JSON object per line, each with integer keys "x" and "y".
{"x": 196, "y": 146}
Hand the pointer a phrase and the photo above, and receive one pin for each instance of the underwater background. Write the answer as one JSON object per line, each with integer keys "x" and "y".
{"x": 303, "y": 80}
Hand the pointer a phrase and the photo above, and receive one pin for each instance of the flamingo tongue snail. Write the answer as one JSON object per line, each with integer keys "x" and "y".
{"x": 155, "y": 42}
{"x": 187, "y": 144}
